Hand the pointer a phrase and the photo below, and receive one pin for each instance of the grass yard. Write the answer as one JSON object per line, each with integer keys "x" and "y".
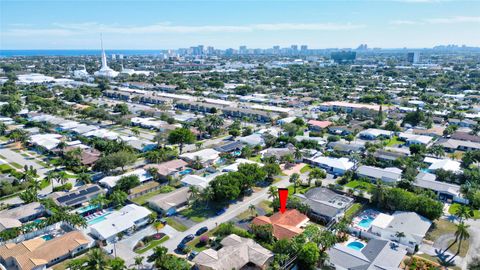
{"x": 141, "y": 200}
{"x": 176, "y": 225}
{"x": 440, "y": 228}
{"x": 152, "y": 244}
{"x": 305, "y": 169}
{"x": 44, "y": 183}
{"x": 194, "y": 243}
{"x": 16, "y": 165}
{"x": 453, "y": 209}
{"x": 256, "y": 158}
{"x": 300, "y": 189}
{"x": 197, "y": 214}
{"x": 394, "y": 141}
{"x": 359, "y": 185}
{"x": 246, "y": 215}
{"x": 266, "y": 206}
{"x": 353, "y": 210}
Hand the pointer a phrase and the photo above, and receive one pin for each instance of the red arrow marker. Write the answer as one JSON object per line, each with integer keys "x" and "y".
{"x": 283, "y": 196}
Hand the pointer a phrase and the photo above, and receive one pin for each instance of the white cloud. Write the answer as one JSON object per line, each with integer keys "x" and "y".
{"x": 89, "y": 27}
{"x": 447, "y": 20}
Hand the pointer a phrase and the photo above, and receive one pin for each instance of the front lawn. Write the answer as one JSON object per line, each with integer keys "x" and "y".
{"x": 394, "y": 141}
{"x": 453, "y": 209}
{"x": 197, "y": 213}
{"x": 195, "y": 243}
{"x": 300, "y": 189}
{"x": 141, "y": 200}
{"x": 360, "y": 185}
{"x": 305, "y": 169}
{"x": 256, "y": 158}
{"x": 176, "y": 225}
{"x": 152, "y": 244}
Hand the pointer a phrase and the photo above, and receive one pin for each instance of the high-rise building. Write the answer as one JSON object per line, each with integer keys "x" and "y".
{"x": 413, "y": 57}
{"x": 294, "y": 48}
{"x": 303, "y": 48}
{"x": 242, "y": 49}
{"x": 343, "y": 57}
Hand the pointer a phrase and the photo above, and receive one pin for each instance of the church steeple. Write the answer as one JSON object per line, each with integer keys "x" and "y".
{"x": 104, "y": 57}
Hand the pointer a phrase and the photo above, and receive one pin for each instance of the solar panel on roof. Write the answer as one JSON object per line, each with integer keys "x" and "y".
{"x": 76, "y": 200}
{"x": 93, "y": 189}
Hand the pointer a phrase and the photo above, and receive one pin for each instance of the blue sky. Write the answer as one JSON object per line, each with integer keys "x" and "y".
{"x": 128, "y": 24}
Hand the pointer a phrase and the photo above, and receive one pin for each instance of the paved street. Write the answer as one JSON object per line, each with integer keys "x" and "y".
{"x": 474, "y": 250}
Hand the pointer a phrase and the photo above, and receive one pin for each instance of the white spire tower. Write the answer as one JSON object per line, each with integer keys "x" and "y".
{"x": 104, "y": 57}
{"x": 105, "y": 71}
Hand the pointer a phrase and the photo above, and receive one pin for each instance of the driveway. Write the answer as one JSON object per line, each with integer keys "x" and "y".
{"x": 474, "y": 250}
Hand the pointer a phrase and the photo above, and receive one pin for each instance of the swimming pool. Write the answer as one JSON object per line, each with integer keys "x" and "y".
{"x": 97, "y": 219}
{"x": 366, "y": 222}
{"x": 186, "y": 171}
{"x": 87, "y": 208}
{"x": 47, "y": 237}
{"x": 356, "y": 245}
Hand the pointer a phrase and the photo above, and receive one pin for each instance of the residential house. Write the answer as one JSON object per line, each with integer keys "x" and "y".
{"x": 452, "y": 145}
{"x": 111, "y": 181}
{"x": 40, "y": 254}
{"x": 253, "y": 140}
{"x": 169, "y": 203}
{"x": 206, "y": 156}
{"x": 172, "y": 168}
{"x": 389, "y": 175}
{"x": 444, "y": 164}
{"x": 229, "y": 147}
{"x": 411, "y": 138}
{"x": 15, "y": 217}
{"x": 388, "y": 156}
{"x": 325, "y": 204}
{"x": 445, "y": 191}
{"x": 77, "y": 197}
{"x": 126, "y": 220}
{"x": 285, "y": 225}
{"x": 316, "y": 125}
{"x": 374, "y": 133}
{"x": 465, "y": 136}
{"x": 236, "y": 253}
{"x": 376, "y": 254}
{"x": 336, "y": 166}
{"x": 411, "y": 224}
{"x": 346, "y": 148}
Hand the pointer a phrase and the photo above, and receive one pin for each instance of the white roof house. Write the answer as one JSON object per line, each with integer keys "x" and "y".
{"x": 122, "y": 220}
{"x": 373, "y": 133}
{"x": 388, "y": 175}
{"x": 234, "y": 167}
{"x": 206, "y": 155}
{"x": 253, "y": 139}
{"x": 102, "y": 133}
{"x": 33, "y": 78}
{"x": 333, "y": 165}
{"x": 111, "y": 181}
{"x": 444, "y": 164}
{"x": 48, "y": 141}
{"x": 411, "y": 138}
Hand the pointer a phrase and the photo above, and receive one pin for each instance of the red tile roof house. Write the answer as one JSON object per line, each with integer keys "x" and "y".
{"x": 318, "y": 125}
{"x": 286, "y": 225}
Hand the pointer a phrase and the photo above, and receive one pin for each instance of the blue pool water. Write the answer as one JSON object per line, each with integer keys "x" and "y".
{"x": 47, "y": 237}
{"x": 186, "y": 171}
{"x": 97, "y": 219}
{"x": 356, "y": 245}
{"x": 425, "y": 170}
{"x": 366, "y": 222}
{"x": 87, "y": 208}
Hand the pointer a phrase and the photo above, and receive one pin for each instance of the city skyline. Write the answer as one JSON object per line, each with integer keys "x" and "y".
{"x": 225, "y": 24}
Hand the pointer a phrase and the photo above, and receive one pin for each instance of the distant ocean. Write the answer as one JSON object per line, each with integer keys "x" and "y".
{"x": 10, "y": 53}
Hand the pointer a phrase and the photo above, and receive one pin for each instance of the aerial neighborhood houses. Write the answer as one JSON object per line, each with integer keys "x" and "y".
{"x": 181, "y": 163}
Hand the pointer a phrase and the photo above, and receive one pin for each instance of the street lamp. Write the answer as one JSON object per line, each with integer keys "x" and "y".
{"x": 114, "y": 241}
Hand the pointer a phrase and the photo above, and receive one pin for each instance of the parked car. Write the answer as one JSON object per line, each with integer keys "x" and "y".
{"x": 181, "y": 247}
{"x": 201, "y": 231}
{"x": 188, "y": 238}
{"x": 220, "y": 211}
{"x": 192, "y": 255}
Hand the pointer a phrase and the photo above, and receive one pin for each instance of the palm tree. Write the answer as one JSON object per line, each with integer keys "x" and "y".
{"x": 378, "y": 194}
{"x": 298, "y": 154}
{"x": 197, "y": 163}
{"x": 198, "y": 145}
{"x": 135, "y": 131}
{"x": 139, "y": 261}
{"x": 118, "y": 197}
{"x": 252, "y": 209}
{"x": 436, "y": 150}
{"x": 399, "y": 235}
{"x": 464, "y": 212}
{"x": 315, "y": 173}
{"x": 295, "y": 179}
{"x": 100, "y": 201}
{"x": 96, "y": 260}
{"x": 460, "y": 234}
{"x": 85, "y": 178}
{"x": 208, "y": 195}
{"x": 273, "y": 192}
{"x": 194, "y": 192}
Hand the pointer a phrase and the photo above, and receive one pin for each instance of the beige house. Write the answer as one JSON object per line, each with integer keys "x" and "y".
{"x": 236, "y": 253}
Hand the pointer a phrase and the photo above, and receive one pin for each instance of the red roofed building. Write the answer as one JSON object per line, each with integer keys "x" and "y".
{"x": 286, "y": 225}
{"x": 318, "y": 125}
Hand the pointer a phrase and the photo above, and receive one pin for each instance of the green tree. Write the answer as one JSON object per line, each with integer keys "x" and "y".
{"x": 181, "y": 136}
{"x": 460, "y": 234}
{"x": 295, "y": 180}
{"x": 308, "y": 256}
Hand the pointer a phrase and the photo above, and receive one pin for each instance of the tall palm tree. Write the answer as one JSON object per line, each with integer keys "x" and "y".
{"x": 96, "y": 260}
{"x": 273, "y": 192}
{"x": 208, "y": 195}
{"x": 294, "y": 179}
{"x": 194, "y": 193}
{"x": 252, "y": 209}
{"x": 464, "y": 212}
{"x": 460, "y": 234}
